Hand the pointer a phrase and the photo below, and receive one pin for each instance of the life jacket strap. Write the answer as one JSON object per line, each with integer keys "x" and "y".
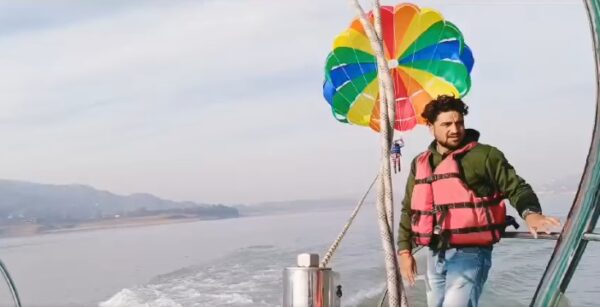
{"x": 416, "y": 214}
{"x": 435, "y": 177}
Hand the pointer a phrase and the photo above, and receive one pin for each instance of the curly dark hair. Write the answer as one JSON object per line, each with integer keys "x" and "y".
{"x": 443, "y": 103}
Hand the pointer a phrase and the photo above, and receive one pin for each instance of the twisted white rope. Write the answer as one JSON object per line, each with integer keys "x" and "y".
{"x": 337, "y": 241}
{"x": 384, "y": 195}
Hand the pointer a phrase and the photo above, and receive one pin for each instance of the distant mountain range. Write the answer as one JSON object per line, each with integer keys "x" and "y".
{"x": 53, "y": 204}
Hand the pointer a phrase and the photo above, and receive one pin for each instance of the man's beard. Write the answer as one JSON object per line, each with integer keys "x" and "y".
{"x": 447, "y": 144}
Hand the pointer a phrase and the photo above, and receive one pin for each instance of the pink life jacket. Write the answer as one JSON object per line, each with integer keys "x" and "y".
{"x": 444, "y": 205}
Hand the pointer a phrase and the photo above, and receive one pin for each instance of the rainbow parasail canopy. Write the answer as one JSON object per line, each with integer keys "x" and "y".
{"x": 427, "y": 57}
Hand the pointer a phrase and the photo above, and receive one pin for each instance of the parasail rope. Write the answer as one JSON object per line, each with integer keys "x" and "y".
{"x": 385, "y": 193}
{"x": 338, "y": 240}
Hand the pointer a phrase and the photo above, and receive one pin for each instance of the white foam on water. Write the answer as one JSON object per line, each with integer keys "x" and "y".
{"x": 364, "y": 295}
{"x": 248, "y": 277}
{"x": 129, "y": 298}
{"x": 232, "y": 298}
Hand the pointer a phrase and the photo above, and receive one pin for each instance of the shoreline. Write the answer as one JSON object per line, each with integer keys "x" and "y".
{"x": 28, "y": 230}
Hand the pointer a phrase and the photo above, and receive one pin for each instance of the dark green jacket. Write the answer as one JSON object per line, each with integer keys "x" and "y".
{"x": 485, "y": 170}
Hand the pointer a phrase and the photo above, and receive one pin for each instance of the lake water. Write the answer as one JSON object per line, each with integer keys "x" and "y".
{"x": 239, "y": 262}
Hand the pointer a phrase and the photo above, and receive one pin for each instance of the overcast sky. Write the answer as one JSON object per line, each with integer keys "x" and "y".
{"x": 220, "y": 101}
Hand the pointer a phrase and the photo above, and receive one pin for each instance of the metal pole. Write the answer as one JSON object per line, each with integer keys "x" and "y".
{"x": 527, "y": 235}
{"x": 592, "y": 236}
{"x": 11, "y": 285}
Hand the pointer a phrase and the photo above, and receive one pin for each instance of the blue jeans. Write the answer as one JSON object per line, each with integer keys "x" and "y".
{"x": 455, "y": 278}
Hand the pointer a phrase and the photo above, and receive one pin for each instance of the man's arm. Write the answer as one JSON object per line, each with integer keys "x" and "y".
{"x": 404, "y": 231}
{"x": 519, "y": 193}
{"x": 507, "y": 181}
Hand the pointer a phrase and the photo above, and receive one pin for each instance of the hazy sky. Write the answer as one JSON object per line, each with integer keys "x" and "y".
{"x": 220, "y": 101}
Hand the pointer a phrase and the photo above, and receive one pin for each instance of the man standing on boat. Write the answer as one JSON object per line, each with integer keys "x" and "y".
{"x": 454, "y": 204}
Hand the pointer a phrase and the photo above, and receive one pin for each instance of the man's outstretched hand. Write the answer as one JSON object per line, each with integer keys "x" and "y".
{"x": 538, "y": 222}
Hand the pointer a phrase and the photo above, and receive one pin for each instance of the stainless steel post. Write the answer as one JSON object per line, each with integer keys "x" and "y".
{"x": 307, "y": 285}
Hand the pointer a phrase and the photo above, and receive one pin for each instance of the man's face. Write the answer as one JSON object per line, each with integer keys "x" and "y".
{"x": 448, "y": 129}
